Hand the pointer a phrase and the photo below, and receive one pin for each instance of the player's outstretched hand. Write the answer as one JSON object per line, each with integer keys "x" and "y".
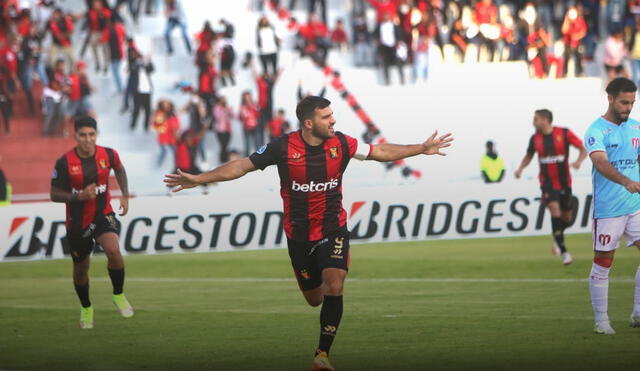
{"x": 124, "y": 206}
{"x": 434, "y": 144}
{"x": 180, "y": 181}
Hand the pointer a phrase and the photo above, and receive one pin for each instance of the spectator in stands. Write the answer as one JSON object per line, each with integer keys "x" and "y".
{"x": 458, "y": 39}
{"x": 78, "y": 91}
{"x": 223, "y": 115}
{"x": 113, "y": 37}
{"x": 196, "y": 111}
{"x": 205, "y": 40}
{"x": 30, "y": 62}
{"x": 140, "y": 71}
{"x": 207, "y": 85}
{"x": 634, "y": 55}
{"x": 491, "y": 165}
{"x": 278, "y": 125}
{"x": 321, "y": 4}
{"x": 486, "y": 18}
{"x": 574, "y": 29}
{"x": 227, "y": 56}
{"x": 5, "y": 189}
{"x": 615, "y": 52}
{"x": 229, "y": 30}
{"x": 61, "y": 27}
{"x": 167, "y": 125}
{"x": 97, "y": 19}
{"x": 539, "y": 41}
{"x": 362, "y": 51}
{"x": 132, "y": 52}
{"x": 385, "y": 7}
{"x": 339, "y": 36}
{"x": 9, "y": 62}
{"x": 175, "y": 18}
{"x": 249, "y": 115}
{"x": 388, "y": 36}
{"x": 6, "y": 103}
{"x": 268, "y": 45}
{"x": 52, "y": 107}
{"x": 421, "y": 58}
{"x": 186, "y": 146}
{"x": 265, "y": 84}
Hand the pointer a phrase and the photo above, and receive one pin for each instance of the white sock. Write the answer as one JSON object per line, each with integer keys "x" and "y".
{"x": 599, "y": 290}
{"x": 636, "y": 298}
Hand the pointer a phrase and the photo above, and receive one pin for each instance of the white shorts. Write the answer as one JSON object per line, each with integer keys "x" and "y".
{"x": 608, "y": 231}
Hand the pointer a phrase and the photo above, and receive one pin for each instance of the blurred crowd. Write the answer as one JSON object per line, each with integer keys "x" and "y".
{"x": 43, "y": 51}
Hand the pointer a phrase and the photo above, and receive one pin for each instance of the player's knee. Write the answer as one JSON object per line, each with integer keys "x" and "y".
{"x": 315, "y": 301}
{"x": 334, "y": 288}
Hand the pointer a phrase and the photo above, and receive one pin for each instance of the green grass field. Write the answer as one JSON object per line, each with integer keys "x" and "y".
{"x": 490, "y": 304}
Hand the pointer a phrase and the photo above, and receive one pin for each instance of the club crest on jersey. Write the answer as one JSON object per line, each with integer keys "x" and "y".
{"x": 634, "y": 142}
{"x": 75, "y": 169}
{"x": 102, "y": 163}
{"x": 333, "y": 152}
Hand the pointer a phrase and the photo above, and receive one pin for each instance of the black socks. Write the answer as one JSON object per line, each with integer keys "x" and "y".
{"x": 117, "y": 280}
{"x": 330, "y": 316}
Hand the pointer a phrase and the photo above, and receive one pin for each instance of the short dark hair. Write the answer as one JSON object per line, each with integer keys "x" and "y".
{"x": 620, "y": 85}
{"x": 85, "y": 121}
{"x": 307, "y": 106}
{"x": 545, "y": 113}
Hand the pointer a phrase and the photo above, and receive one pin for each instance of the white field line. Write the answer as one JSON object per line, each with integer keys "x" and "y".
{"x": 357, "y": 279}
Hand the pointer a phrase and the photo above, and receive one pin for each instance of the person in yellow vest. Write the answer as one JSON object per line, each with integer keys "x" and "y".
{"x": 5, "y": 190}
{"x": 491, "y": 165}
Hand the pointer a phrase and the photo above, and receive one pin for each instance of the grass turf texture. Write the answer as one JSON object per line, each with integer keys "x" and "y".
{"x": 206, "y": 311}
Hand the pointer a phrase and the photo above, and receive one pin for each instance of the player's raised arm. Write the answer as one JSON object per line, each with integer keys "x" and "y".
{"x": 604, "y": 167}
{"x": 228, "y": 171}
{"x": 392, "y": 152}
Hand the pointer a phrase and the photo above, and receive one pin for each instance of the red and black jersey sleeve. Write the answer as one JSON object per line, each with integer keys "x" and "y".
{"x": 531, "y": 149}
{"x": 573, "y": 139}
{"x": 114, "y": 158}
{"x": 60, "y": 176}
{"x": 266, "y": 155}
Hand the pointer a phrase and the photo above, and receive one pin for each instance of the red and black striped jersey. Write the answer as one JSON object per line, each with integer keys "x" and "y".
{"x": 73, "y": 173}
{"x": 553, "y": 156}
{"x": 311, "y": 181}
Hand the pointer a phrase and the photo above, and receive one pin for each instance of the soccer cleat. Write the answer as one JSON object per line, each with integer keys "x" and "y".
{"x": 555, "y": 250}
{"x": 321, "y": 362}
{"x": 86, "y": 317}
{"x": 604, "y": 327}
{"x": 123, "y": 305}
{"x": 635, "y": 320}
{"x": 566, "y": 258}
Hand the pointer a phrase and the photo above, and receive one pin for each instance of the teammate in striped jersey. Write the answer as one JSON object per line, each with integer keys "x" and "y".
{"x": 311, "y": 163}
{"x": 551, "y": 143}
{"x": 81, "y": 180}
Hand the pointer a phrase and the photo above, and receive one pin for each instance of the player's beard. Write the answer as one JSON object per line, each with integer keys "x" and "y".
{"x": 326, "y": 134}
{"x": 620, "y": 116}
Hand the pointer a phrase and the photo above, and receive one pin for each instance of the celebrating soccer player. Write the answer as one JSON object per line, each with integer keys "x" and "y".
{"x": 81, "y": 180}
{"x": 551, "y": 143}
{"x": 311, "y": 162}
{"x": 612, "y": 141}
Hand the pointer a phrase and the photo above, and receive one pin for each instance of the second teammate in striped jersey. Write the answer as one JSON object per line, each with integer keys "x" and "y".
{"x": 311, "y": 162}
{"x": 551, "y": 143}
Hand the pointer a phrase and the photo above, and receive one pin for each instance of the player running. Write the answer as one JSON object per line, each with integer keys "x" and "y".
{"x": 612, "y": 141}
{"x": 311, "y": 162}
{"x": 81, "y": 180}
{"x": 551, "y": 143}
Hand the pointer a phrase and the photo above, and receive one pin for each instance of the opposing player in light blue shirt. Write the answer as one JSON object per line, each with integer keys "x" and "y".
{"x": 613, "y": 144}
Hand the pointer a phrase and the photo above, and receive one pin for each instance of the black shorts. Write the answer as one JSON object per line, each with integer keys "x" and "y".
{"x": 309, "y": 259}
{"x": 564, "y": 197}
{"x": 82, "y": 244}
{"x": 618, "y": 69}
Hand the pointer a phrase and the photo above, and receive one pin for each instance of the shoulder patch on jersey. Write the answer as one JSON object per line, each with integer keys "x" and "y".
{"x": 261, "y": 149}
{"x": 591, "y": 141}
{"x": 55, "y": 174}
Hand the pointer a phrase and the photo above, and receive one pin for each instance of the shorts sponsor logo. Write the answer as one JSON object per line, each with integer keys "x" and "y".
{"x": 305, "y": 275}
{"x": 261, "y": 149}
{"x": 337, "y": 248}
{"x": 604, "y": 239}
{"x": 314, "y": 187}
